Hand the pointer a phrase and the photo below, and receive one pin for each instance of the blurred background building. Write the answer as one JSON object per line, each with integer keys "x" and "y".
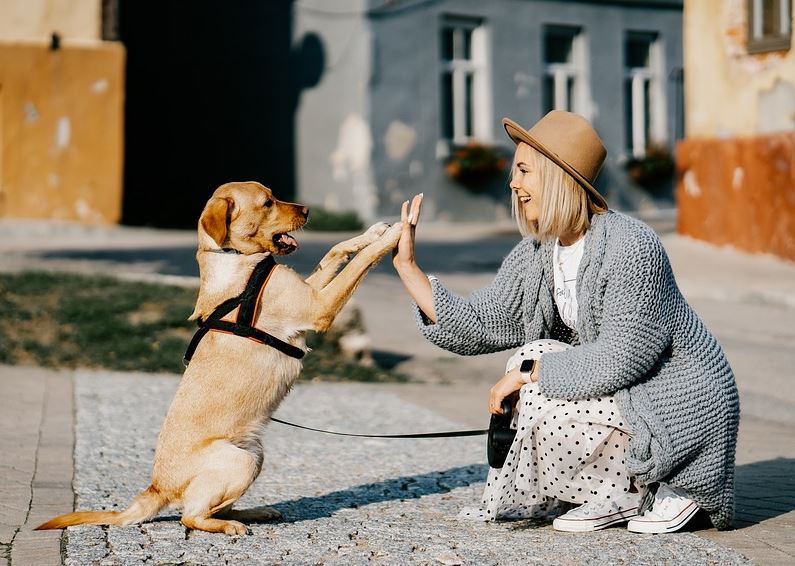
{"x": 738, "y": 162}
{"x": 347, "y": 104}
{"x": 135, "y": 110}
{"x": 413, "y": 92}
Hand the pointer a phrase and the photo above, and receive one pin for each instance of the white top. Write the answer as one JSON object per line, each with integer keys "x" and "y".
{"x": 566, "y": 262}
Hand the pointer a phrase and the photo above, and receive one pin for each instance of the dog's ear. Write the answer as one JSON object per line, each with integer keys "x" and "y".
{"x": 215, "y": 218}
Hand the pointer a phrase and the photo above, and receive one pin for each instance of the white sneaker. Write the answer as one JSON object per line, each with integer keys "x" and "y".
{"x": 671, "y": 510}
{"x": 599, "y": 514}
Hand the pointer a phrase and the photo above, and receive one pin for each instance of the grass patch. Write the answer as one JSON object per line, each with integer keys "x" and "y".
{"x": 66, "y": 321}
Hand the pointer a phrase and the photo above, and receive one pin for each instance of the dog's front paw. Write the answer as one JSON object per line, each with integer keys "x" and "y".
{"x": 391, "y": 236}
{"x": 376, "y": 231}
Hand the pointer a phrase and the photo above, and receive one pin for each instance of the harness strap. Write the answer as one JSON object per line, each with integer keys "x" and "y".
{"x": 243, "y": 326}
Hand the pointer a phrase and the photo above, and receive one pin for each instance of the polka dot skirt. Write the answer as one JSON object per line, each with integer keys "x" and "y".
{"x": 565, "y": 452}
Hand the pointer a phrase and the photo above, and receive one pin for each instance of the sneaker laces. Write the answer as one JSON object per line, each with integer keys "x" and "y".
{"x": 667, "y": 497}
{"x": 603, "y": 506}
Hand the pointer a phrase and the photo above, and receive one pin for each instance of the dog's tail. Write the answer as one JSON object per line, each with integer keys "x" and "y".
{"x": 144, "y": 506}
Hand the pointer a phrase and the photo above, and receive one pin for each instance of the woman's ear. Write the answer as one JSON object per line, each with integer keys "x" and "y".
{"x": 215, "y": 219}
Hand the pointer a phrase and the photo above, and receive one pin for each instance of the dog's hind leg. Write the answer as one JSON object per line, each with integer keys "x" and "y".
{"x": 340, "y": 253}
{"x": 226, "y": 472}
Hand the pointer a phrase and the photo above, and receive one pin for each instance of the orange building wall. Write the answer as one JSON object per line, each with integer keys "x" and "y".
{"x": 61, "y": 131}
{"x": 737, "y": 166}
{"x": 739, "y": 191}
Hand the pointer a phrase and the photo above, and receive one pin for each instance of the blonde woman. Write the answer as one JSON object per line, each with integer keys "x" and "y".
{"x": 628, "y": 412}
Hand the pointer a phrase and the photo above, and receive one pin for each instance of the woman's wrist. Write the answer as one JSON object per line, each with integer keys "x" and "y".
{"x": 409, "y": 270}
{"x": 528, "y": 371}
{"x": 405, "y": 266}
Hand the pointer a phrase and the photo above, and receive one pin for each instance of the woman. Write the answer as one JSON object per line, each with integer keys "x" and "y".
{"x": 630, "y": 410}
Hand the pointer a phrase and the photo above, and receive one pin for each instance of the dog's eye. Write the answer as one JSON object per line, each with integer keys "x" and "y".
{"x": 268, "y": 203}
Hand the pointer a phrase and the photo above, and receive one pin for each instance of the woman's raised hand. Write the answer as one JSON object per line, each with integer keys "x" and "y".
{"x": 415, "y": 281}
{"x": 409, "y": 215}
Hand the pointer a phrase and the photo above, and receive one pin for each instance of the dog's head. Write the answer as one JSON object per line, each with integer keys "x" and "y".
{"x": 246, "y": 217}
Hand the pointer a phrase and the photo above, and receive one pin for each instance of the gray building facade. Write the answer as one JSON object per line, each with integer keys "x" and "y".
{"x": 405, "y": 84}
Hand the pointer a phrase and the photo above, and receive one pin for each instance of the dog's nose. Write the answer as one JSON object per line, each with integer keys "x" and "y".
{"x": 305, "y": 211}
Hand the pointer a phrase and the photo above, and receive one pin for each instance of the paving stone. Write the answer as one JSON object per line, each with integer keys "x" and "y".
{"x": 344, "y": 500}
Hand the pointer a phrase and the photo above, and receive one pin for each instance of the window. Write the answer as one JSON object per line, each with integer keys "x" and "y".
{"x": 769, "y": 25}
{"x": 643, "y": 92}
{"x": 465, "y": 103}
{"x": 562, "y": 69}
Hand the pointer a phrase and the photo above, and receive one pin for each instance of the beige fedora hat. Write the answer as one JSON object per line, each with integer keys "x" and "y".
{"x": 570, "y": 141}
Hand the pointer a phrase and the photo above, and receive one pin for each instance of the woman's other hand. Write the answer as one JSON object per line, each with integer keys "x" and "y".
{"x": 403, "y": 257}
{"x": 510, "y": 383}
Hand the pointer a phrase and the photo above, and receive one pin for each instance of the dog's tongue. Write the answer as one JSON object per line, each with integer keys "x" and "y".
{"x": 288, "y": 240}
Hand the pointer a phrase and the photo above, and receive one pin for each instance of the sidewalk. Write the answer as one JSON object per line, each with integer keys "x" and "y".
{"x": 344, "y": 501}
{"x": 36, "y": 443}
{"x": 747, "y": 301}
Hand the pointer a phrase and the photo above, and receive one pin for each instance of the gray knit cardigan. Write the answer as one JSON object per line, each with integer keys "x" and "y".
{"x": 636, "y": 338}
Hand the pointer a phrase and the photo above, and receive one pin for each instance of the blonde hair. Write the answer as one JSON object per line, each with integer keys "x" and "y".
{"x": 564, "y": 205}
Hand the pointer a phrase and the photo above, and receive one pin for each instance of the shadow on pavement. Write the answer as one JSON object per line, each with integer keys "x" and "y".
{"x": 765, "y": 490}
{"x": 389, "y": 360}
{"x": 482, "y": 256}
{"x": 406, "y": 487}
{"x": 165, "y": 261}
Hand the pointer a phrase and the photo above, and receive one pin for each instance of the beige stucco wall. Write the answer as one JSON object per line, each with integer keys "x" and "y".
{"x": 37, "y": 19}
{"x": 61, "y": 131}
{"x": 727, "y": 91}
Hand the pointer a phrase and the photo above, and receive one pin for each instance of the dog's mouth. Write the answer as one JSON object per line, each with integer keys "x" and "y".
{"x": 285, "y": 243}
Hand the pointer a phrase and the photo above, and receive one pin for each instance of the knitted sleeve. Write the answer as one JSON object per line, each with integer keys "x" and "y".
{"x": 490, "y": 319}
{"x": 632, "y": 333}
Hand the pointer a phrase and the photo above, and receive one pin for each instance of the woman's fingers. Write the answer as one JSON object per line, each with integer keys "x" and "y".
{"x": 495, "y": 400}
{"x": 510, "y": 383}
{"x": 404, "y": 253}
{"x": 416, "y": 205}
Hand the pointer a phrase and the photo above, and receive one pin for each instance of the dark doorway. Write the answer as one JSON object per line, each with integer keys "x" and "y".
{"x": 211, "y": 94}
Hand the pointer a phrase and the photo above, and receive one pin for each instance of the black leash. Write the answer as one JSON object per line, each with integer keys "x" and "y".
{"x": 447, "y": 434}
{"x": 243, "y": 326}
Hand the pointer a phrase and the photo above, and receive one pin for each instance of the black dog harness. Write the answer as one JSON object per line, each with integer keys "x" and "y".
{"x": 243, "y": 326}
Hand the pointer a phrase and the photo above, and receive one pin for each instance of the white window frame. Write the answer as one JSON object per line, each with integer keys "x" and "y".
{"x": 760, "y": 43}
{"x": 476, "y": 67}
{"x": 639, "y": 77}
{"x": 575, "y": 70}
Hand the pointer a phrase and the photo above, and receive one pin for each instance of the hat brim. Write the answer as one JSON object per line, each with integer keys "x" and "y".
{"x": 518, "y": 134}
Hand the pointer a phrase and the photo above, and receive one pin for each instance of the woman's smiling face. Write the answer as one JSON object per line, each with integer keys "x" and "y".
{"x": 525, "y": 181}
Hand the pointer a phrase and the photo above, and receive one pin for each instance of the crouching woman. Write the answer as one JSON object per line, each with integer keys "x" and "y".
{"x": 629, "y": 411}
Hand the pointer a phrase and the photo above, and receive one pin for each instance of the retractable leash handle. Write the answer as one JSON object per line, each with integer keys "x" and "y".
{"x": 501, "y": 435}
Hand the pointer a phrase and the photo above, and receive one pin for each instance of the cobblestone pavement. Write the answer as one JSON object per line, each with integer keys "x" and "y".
{"x": 344, "y": 501}
{"x": 352, "y": 501}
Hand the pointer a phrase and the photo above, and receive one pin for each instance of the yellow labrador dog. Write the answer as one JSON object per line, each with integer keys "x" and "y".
{"x": 209, "y": 450}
